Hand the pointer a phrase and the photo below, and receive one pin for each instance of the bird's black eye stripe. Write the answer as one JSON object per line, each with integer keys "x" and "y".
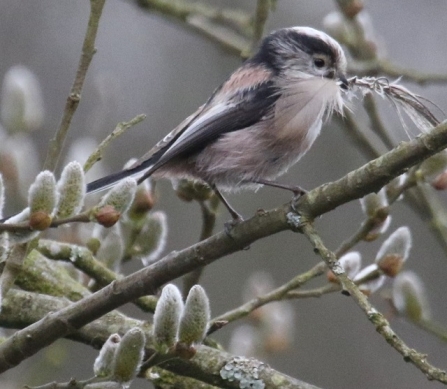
{"x": 310, "y": 44}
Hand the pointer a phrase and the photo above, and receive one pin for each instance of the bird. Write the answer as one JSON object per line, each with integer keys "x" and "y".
{"x": 256, "y": 124}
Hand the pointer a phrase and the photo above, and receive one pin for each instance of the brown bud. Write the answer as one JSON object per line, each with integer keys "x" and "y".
{"x": 107, "y": 215}
{"x": 9, "y": 168}
{"x": 440, "y": 181}
{"x": 142, "y": 203}
{"x": 40, "y": 220}
{"x": 391, "y": 264}
{"x": 353, "y": 8}
{"x": 276, "y": 342}
{"x": 331, "y": 277}
{"x": 184, "y": 351}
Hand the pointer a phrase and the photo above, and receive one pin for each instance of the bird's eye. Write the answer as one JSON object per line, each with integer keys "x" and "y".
{"x": 319, "y": 62}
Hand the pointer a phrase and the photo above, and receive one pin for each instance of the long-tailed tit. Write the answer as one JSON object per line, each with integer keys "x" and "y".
{"x": 258, "y": 123}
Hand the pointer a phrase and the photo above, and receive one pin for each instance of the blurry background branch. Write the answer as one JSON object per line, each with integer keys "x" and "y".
{"x": 56, "y": 144}
{"x": 229, "y": 28}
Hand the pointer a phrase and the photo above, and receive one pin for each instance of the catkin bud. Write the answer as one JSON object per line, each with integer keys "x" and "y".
{"x": 396, "y": 185}
{"x": 346, "y": 31}
{"x": 257, "y": 284}
{"x": 195, "y": 318}
{"x": 335, "y": 24}
{"x": 111, "y": 249}
{"x": 244, "y": 341}
{"x": 19, "y": 160}
{"x": 81, "y": 150}
{"x": 144, "y": 198}
{"x": 375, "y": 207}
{"x": 71, "y": 188}
{"x": 189, "y": 190}
{"x": 103, "y": 366}
{"x": 120, "y": 196}
{"x": 167, "y": 318}
{"x": 116, "y": 202}
{"x": 350, "y": 262}
{"x": 394, "y": 252}
{"x": 42, "y": 199}
{"x": 144, "y": 201}
{"x": 151, "y": 240}
{"x": 278, "y": 327}
{"x": 22, "y": 103}
{"x": 409, "y": 296}
{"x": 433, "y": 166}
{"x": 373, "y": 202}
{"x": 129, "y": 355}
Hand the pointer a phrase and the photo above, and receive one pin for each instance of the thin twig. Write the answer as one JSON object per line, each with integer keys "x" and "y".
{"x": 88, "y": 50}
{"x": 275, "y": 295}
{"x": 119, "y": 130}
{"x": 385, "y": 67}
{"x": 376, "y": 318}
{"x": 313, "y": 293}
{"x": 261, "y": 15}
{"x": 24, "y": 226}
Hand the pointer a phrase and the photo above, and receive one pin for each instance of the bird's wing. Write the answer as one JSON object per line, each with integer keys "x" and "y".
{"x": 245, "y": 109}
{"x": 222, "y": 113}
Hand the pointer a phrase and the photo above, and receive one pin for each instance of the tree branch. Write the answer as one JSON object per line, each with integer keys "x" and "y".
{"x": 370, "y": 177}
{"x": 206, "y": 365}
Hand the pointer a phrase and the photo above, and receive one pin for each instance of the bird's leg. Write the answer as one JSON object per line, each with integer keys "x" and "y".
{"x": 234, "y": 214}
{"x": 297, "y": 190}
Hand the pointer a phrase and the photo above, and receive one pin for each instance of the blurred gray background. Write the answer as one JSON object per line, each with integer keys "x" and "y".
{"x": 148, "y": 64}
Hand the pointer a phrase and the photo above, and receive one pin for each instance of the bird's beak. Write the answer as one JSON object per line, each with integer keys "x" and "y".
{"x": 344, "y": 84}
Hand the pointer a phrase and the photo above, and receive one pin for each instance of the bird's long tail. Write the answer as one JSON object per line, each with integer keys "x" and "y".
{"x": 110, "y": 180}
